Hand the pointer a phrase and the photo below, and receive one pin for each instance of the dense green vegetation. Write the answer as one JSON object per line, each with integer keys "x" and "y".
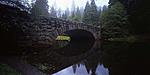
{"x": 112, "y": 19}
{"x": 90, "y": 15}
{"x": 6, "y": 70}
{"x": 40, "y": 8}
{"x": 114, "y": 22}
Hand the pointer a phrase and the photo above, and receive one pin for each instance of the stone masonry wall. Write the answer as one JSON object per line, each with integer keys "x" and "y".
{"x": 21, "y": 31}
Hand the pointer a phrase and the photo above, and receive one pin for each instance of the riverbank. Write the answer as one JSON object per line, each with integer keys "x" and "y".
{"x": 131, "y": 39}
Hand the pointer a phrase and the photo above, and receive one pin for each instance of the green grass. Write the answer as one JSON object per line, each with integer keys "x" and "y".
{"x": 6, "y": 70}
{"x": 130, "y": 39}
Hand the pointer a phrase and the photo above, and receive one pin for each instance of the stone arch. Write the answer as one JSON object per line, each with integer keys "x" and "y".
{"x": 80, "y": 26}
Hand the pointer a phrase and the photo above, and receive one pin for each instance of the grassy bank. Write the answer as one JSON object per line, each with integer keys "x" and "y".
{"x": 6, "y": 70}
{"x": 131, "y": 39}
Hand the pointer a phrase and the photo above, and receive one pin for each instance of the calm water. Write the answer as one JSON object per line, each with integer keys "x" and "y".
{"x": 87, "y": 58}
{"x": 82, "y": 69}
{"x": 108, "y": 58}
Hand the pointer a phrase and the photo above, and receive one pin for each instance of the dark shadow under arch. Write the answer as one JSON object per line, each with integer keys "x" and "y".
{"x": 80, "y": 35}
{"x": 81, "y": 42}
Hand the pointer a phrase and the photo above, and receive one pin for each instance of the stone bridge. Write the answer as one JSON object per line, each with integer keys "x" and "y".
{"x": 52, "y": 27}
{"x": 43, "y": 30}
{"x": 33, "y": 39}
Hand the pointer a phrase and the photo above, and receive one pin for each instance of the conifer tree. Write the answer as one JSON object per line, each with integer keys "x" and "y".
{"x": 114, "y": 21}
{"x": 40, "y": 8}
{"x": 86, "y": 16}
{"x": 53, "y": 12}
{"x": 93, "y": 13}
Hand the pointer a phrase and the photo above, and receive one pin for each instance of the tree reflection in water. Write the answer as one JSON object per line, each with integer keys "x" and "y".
{"x": 121, "y": 58}
{"x": 81, "y": 69}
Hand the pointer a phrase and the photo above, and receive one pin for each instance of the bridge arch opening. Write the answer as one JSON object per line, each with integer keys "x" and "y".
{"x": 80, "y": 35}
{"x": 81, "y": 42}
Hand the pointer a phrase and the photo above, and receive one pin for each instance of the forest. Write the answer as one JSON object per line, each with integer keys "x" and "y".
{"x": 112, "y": 19}
{"x": 123, "y": 47}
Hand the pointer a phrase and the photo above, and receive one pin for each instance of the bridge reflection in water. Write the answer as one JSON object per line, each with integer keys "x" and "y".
{"x": 117, "y": 58}
{"x": 80, "y": 51}
{"x": 121, "y": 58}
{"x": 60, "y": 58}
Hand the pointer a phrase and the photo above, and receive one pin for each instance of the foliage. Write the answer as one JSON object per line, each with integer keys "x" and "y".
{"x": 40, "y": 8}
{"x": 114, "y": 21}
{"x": 65, "y": 14}
{"x": 73, "y": 9}
{"x": 90, "y": 15}
{"x": 86, "y": 17}
{"x": 77, "y": 17}
{"x": 6, "y": 70}
{"x": 59, "y": 13}
{"x": 93, "y": 13}
{"x": 53, "y": 12}
{"x": 99, "y": 12}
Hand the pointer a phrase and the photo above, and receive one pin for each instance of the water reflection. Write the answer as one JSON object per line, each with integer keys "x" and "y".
{"x": 124, "y": 58}
{"x": 53, "y": 60}
{"x": 120, "y": 58}
{"x": 73, "y": 47}
{"x": 81, "y": 69}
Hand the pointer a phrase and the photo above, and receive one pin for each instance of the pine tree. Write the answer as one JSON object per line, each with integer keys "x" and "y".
{"x": 53, "y": 12}
{"x": 73, "y": 9}
{"x": 86, "y": 16}
{"x": 90, "y": 15}
{"x": 40, "y": 8}
{"x": 78, "y": 15}
{"x": 59, "y": 13}
{"x": 104, "y": 8}
{"x": 93, "y": 13}
{"x": 82, "y": 11}
{"x": 66, "y": 14}
{"x": 114, "y": 21}
{"x": 99, "y": 15}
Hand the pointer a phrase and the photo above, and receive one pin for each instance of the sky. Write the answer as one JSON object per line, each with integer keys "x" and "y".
{"x": 64, "y": 4}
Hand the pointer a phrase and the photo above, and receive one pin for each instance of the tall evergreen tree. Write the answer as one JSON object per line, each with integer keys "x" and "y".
{"x": 59, "y": 13}
{"x": 73, "y": 8}
{"x": 86, "y": 14}
{"x": 104, "y": 8}
{"x": 66, "y": 14}
{"x": 53, "y": 12}
{"x": 90, "y": 15}
{"x": 93, "y": 13}
{"x": 82, "y": 11}
{"x": 114, "y": 21}
{"x": 40, "y": 8}
{"x": 99, "y": 15}
{"x": 78, "y": 15}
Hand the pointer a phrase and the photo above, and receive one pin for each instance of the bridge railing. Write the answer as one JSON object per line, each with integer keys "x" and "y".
{"x": 15, "y": 4}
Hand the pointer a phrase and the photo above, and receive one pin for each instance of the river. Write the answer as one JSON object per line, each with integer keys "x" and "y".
{"x": 91, "y": 58}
